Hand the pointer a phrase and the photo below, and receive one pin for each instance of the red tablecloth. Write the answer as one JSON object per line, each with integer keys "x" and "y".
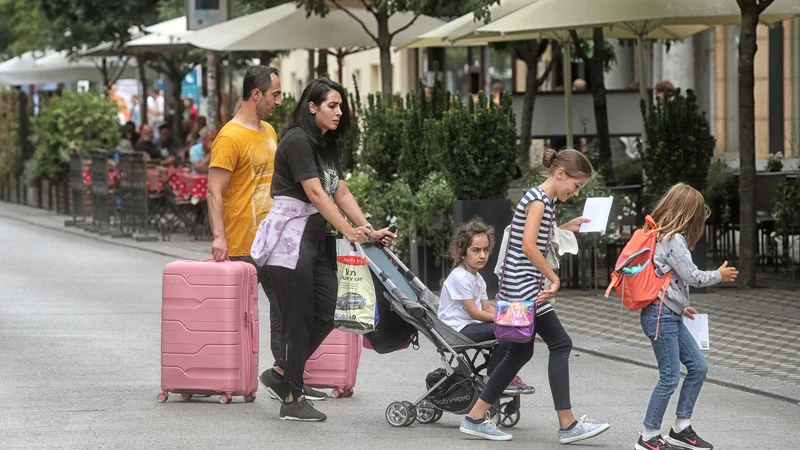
{"x": 87, "y": 177}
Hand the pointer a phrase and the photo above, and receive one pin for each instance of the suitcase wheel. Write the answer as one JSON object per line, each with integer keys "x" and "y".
{"x": 186, "y": 395}
{"x": 250, "y": 397}
{"x": 345, "y": 393}
{"x": 162, "y": 397}
{"x": 224, "y": 399}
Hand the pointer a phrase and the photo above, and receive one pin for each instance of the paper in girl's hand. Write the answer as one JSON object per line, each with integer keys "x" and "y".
{"x": 597, "y": 209}
{"x": 699, "y": 329}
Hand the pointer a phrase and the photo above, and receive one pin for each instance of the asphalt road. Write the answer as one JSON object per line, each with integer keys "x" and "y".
{"x": 79, "y": 345}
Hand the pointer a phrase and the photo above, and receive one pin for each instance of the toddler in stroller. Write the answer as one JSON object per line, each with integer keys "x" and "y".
{"x": 463, "y": 303}
{"x": 406, "y": 307}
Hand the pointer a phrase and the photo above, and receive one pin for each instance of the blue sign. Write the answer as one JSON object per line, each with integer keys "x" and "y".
{"x": 190, "y": 87}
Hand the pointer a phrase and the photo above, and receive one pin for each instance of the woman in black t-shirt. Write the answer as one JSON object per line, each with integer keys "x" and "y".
{"x": 307, "y": 169}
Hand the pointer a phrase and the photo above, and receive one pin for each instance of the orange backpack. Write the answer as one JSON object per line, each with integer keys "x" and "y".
{"x": 634, "y": 277}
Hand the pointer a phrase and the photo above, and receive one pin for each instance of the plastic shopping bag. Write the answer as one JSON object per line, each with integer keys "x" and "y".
{"x": 356, "y": 311}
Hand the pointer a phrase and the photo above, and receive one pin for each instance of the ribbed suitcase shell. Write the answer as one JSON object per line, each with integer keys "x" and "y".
{"x": 209, "y": 329}
{"x": 335, "y": 363}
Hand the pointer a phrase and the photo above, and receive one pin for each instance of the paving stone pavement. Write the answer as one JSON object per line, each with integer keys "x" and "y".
{"x": 757, "y": 331}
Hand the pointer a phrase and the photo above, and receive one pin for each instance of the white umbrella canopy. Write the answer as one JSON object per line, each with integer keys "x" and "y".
{"x": 14, "y": 69}
{"x": 634, "y": 16}
{"x": 168, "y": 35}
{"x": 55, "y": 67}
{"x": 176, "y": 27}
{"x": 463, "y": 27}
{"x": 673, "y": 19}
{"x": 286, "y": 27}
{"x": 60, "y": 67}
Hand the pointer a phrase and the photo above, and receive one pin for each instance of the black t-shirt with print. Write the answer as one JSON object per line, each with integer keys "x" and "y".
{"x": 300, "y": 157}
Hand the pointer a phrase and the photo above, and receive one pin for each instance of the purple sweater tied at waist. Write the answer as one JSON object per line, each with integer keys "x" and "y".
{"x": 277, "y": 241}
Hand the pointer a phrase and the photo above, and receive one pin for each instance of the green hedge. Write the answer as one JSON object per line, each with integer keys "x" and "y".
{"x": 84, "y": 120}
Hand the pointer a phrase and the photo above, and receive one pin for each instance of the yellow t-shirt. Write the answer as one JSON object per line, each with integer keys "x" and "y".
{"x": 250, "y": 156}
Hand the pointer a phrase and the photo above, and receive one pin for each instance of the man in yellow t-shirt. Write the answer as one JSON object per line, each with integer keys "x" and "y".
{"x": 240, "y": 177}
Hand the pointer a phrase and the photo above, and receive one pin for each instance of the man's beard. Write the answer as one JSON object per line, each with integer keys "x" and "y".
{"x": 264, "y": 113}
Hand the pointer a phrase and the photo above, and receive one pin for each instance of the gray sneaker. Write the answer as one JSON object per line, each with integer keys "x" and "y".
{"x": 486, "y": 430}
{"x": 275, "y": 384}
{"x": 582, "y": 430}
{"x": 302, "y": 410}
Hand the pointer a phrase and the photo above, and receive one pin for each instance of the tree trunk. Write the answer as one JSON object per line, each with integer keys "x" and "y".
{"x": 322, "y": 63}
{"x": 384, "y": 45}
{"x": 176, "y": 78}
{"x": 747, "y": 147}
{"x": 140, "y": 63}
{"x": 106, "y": 78}
{"x": 597, "y": 77}
{"x": 340, "y": 63}
{"x": 528, "y": 103}
{"x": 24, "y": 122}
{"x": 311, "y": 64}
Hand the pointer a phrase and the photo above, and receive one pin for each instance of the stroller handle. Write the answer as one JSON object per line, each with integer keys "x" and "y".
{"x": 414, "y": 308}
{"x": 402, "y": 268}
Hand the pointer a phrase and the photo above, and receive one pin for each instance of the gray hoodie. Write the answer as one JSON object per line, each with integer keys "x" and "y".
{"x": 673, "y": 254}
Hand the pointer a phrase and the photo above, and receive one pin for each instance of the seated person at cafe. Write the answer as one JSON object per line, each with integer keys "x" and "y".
{"x": 146, "y": 144}
{"x": 169, "y": 148}
{"x": 200, "y": 153}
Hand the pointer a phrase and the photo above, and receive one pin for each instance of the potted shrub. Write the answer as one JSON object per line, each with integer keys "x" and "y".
{"x": 85, "y": 120}
{"x": 679, "y": 148}
{"x": 480, "y": 142}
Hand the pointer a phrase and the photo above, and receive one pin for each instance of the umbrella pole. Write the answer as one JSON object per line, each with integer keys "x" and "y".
{"x": 568, "y": 90}
{"x": 642, "y": 77}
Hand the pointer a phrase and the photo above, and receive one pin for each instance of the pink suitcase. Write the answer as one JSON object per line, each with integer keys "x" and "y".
{"x": 335, "y": 363}
{"x": 209, "y": 330}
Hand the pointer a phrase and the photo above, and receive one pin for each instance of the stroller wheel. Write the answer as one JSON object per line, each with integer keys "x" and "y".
{"x": 413, "y": 413}
{"x": 426, "y": 413}
{"x": 398, "y": 414}
{"x": 509, "y": 414}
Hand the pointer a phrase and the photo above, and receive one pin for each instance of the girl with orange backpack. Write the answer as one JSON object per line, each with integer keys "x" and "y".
{"x": 676, "y": 224}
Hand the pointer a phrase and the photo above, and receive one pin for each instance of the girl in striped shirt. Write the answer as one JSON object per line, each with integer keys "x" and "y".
{"x": 523, "y": 272}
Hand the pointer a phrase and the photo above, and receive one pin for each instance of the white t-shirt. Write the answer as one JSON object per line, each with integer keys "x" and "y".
{"x": 460, "y": 286}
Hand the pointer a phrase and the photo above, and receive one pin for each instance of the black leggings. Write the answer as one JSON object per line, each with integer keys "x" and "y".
{"x": 307, "y": 299}
{"x": 274, "y": 310}
{"x": 549, "y": 328}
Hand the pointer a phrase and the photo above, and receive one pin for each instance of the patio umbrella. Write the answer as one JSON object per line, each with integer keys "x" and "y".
{"x": 286, "y": 27}
{"x": 463, "y": 27}
{"x": 58, "y": 67}
{"x": 638, "y": 18}
{"x": 12, "y": 69}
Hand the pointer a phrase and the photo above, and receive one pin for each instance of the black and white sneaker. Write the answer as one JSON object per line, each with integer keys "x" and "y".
{"x": 275, "y": 384}
{"x": 656, "y": 443}
{"x": 687, "y": 439}
{"x": 301, "y": 409}
{"x": 313, "y": 394}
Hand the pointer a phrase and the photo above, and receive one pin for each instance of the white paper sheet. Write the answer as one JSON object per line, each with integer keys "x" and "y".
{"x": 699, "y": 329}
{"x": 597, "y": 209}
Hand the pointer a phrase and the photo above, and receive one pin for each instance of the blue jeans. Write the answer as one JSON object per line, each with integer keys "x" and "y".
{"x": 674, "y": 346}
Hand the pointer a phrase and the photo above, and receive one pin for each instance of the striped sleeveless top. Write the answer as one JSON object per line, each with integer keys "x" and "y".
{"x": 520, "y": 279}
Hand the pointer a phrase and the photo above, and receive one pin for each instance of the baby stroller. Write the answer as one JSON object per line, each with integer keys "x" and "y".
{"x": 406, "y": 307}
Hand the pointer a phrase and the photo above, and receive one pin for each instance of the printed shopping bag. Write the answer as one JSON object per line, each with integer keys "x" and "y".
{"x": 356, "y": 311}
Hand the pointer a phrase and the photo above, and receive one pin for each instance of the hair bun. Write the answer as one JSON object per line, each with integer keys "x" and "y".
{"x": 548, "y": 157}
